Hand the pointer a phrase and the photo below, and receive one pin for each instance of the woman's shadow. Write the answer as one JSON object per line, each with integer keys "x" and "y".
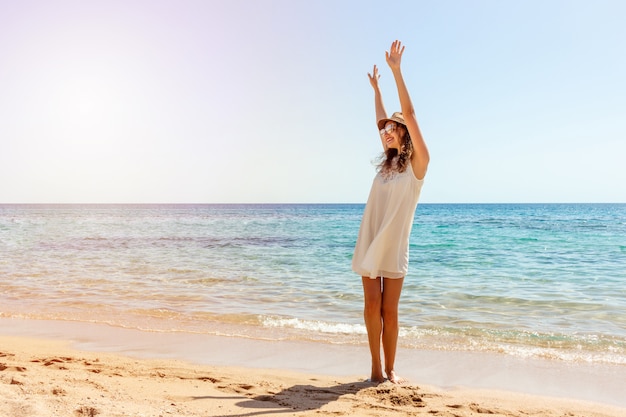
{"x": 298, "y": 398}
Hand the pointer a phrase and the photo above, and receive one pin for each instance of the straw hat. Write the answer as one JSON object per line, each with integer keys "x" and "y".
{"x": 396, "y": 117}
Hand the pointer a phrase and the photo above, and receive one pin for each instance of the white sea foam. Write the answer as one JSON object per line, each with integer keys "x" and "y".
{"x": 314, "y": 325}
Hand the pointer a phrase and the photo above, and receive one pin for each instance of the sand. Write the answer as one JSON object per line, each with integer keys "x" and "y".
{"x": 43, "y": 377}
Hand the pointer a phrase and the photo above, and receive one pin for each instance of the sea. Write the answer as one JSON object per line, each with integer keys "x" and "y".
{"x": 527, "y": 280}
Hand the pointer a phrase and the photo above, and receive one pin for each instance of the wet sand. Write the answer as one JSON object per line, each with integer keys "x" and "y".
{"x": 50, "y": 368}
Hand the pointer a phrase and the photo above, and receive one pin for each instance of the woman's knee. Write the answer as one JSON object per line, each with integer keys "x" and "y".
{"x": 372, "y": 306}
{"x": 389, "y": 313}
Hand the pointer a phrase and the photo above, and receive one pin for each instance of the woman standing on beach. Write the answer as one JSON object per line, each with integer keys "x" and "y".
{"x": 381, "y": 255}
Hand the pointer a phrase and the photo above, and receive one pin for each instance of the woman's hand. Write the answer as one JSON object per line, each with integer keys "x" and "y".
{"x": 394, "y": 56}
{"x": 374, "y": 77}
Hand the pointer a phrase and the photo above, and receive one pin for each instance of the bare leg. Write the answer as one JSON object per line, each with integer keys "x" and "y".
{"x": 373, "y": 322}
{"x": 389, "y": 312}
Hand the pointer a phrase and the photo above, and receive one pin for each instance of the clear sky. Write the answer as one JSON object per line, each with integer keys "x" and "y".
{"x": 229, "y": 101}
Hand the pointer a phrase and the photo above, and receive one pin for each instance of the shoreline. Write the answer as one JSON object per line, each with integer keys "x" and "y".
{"x": 450, "y": 372}
{"x": 40, "y": 378}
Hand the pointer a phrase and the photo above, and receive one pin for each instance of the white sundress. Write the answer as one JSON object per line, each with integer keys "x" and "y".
{"x": 382, "y": 247}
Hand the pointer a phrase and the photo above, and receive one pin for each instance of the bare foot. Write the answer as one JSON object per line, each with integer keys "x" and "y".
{"x": 393, "y": 378}
{"x": 377, "y": 374}
{"x": 376, "y": 379}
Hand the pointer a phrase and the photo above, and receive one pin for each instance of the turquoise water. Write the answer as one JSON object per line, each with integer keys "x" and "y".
{"x": 526, "y": 280}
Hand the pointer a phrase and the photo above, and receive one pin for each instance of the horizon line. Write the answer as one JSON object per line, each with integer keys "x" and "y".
{"x": 295, "y": 203}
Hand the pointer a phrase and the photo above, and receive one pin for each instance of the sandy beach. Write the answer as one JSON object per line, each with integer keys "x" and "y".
{"x": 93, "y": 374}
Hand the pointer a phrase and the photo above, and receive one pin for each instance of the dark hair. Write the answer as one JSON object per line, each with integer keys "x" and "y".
{"x": 392, "y": 160}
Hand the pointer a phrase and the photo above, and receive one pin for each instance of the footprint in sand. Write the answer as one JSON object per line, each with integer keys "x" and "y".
{"x": 5, "y": 367}
{"x": 481, "y": 410}
{"x": 15, "y": 382}
{"x": 86, "y": 412}
{"x": 60, "y": 362}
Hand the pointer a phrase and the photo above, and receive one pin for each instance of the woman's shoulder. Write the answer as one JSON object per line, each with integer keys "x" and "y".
{"x": 409, "y": 169}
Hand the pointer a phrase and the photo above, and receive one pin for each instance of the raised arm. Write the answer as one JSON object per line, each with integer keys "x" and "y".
{"x": 378, "y": 101}
{"x": 421, "y": 157}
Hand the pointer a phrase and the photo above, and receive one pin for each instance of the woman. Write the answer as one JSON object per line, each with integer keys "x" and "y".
{"x": 381, "y": 255}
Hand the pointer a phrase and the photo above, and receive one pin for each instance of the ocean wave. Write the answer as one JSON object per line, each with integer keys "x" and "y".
{"x": 313, "y": 325}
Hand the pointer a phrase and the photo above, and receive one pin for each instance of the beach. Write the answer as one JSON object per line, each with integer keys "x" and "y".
{"x": 64, "y": 368}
